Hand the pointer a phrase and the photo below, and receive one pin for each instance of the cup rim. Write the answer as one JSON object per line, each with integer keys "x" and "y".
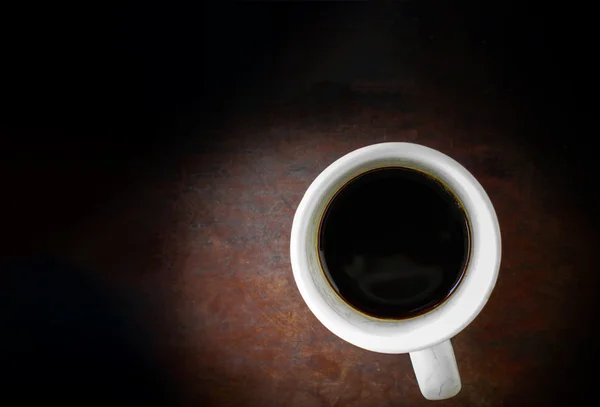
{"x": 418, "y": 332}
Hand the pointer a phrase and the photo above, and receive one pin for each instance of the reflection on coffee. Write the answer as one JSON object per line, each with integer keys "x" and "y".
{"x": 394, "y": 242}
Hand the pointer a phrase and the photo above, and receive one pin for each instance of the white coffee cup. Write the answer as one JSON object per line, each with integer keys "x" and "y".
{"x": 426, "y": 337}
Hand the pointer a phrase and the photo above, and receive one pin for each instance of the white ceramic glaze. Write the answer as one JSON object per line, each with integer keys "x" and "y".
{"x": 418, "y": 333}
{"x": 436, "y": 371}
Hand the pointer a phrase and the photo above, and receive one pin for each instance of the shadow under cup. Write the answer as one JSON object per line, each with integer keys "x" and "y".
{"x": 394, "y": 242}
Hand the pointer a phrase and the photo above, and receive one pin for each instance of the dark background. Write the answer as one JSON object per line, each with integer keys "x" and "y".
{"x": 161, "y": 150}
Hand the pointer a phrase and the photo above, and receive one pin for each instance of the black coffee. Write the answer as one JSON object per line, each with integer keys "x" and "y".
{"x": 394, "y": 242}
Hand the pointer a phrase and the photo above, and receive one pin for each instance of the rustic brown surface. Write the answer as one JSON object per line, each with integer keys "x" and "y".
{"x": 199, "y": 237}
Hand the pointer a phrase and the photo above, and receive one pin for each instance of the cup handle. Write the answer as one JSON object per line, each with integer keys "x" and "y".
{"x": 436, "y": 371}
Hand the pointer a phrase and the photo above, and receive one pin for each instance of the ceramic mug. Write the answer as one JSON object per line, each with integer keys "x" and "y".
{"x": 425, "y": 337}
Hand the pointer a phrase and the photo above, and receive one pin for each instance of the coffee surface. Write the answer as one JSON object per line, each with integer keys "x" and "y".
{"x": 394, "y": 242}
